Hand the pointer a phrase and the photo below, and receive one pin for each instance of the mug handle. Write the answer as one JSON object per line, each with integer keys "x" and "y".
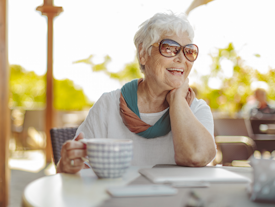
{"x": 85, "y": 159}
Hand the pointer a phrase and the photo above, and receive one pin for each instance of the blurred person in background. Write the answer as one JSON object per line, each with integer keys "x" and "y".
{"x": 257, "y": 105}
{"x": 262, "y": 105}
{"x": 160, "y": 113}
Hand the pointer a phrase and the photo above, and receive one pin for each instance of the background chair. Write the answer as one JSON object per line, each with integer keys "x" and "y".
{"x": 233, "y": 139}
{"x": 232, "y": 127}
{"x": 58, "y": 137}
{"x": 263, "y": 126}
{"x": 34, "y": 121}
{"x": 235, "y": 148}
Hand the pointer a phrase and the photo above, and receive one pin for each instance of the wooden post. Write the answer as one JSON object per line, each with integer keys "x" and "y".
{"x": 50, "y": 11}
{"x": 4, "y": 109}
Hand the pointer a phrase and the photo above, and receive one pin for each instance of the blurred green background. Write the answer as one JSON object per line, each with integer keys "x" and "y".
{"x": 28, "y": 89}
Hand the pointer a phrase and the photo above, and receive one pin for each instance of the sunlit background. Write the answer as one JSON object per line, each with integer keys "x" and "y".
{"x": 102, "y": 28}
{"x": 235, "y": 39}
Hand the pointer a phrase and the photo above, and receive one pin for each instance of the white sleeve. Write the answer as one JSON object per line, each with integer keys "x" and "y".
{"x": 203, "y": 113}
{"x": 94, "y": 126}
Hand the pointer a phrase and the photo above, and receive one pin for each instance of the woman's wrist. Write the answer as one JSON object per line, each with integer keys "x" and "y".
{"x": 177, "y": 101}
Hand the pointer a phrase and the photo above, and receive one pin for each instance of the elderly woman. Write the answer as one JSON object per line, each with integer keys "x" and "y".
{"x": 160, "y": 113}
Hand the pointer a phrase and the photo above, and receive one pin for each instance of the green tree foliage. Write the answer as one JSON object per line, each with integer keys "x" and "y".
{"x": 235, "y": 90}
{"x": 233, "y": 93}
{"x": 69, "y": 97}
{"x": 28, "y": 90}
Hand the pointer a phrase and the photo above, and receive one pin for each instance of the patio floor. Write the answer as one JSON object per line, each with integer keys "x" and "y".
{"x": 25, "y": 168}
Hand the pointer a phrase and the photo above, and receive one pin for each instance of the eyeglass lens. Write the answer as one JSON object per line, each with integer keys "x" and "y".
{"x": 170, "y": 48}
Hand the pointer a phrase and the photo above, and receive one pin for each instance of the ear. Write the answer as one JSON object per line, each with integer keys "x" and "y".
{"x": 142, "y": 60}
{"x": 142, "y": 55}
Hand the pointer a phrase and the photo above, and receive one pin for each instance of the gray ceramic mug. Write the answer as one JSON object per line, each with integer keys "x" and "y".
{"x": 109, "y": 158}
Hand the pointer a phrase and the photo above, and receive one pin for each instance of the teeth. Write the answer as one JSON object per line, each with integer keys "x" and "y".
{"x": 174, "y": 69}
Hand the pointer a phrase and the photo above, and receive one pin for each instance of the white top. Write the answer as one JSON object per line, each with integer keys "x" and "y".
{"x": 104, "y": 121}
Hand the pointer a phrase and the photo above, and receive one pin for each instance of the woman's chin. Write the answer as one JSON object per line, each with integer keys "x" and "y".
{"x": 176, "y": 84}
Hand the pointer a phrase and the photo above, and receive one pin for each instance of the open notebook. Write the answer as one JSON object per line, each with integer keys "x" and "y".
{"x": 182, "y": 174}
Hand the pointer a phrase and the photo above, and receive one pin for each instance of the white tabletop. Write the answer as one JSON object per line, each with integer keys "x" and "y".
{"x": 81, "y": 189}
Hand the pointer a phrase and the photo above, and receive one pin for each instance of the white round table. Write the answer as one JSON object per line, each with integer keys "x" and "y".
{"x": 81, "y": 189}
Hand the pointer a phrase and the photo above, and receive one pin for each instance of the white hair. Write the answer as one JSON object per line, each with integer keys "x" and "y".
{"x": 160, "y": 24}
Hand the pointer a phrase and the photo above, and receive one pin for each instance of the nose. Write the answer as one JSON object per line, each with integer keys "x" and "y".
{"x": 180, "y": 57}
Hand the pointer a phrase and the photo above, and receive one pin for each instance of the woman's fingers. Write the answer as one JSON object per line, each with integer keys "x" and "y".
{"x": 74, "y": 149}
{"x": 185, "y": 85}
{"x": 80, "y": 136}
{"x": 72, "y": 166}
{"x": 74, "y": 145}
{"x": 75, "y": 163}
{"x": 178, "y": 93}
{"x": 183, "y": 90}
{"x": 71, "y": 154}
{"x": 76, "y": 153}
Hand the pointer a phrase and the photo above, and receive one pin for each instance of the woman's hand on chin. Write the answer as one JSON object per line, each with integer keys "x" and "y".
{"x": 178, "y": 94}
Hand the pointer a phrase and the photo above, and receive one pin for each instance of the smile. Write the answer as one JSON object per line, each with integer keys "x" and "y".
{"x": 175, "y": 71}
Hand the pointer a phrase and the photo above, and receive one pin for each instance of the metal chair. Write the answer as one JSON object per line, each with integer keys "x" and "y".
{"x": 58, "y": 137}
{"x": 233, "y": 139}
{"x": 232, "y": 127}
{"x": 235, "y": 148}
{"x": 32, "y": 118}
{"x": 263, "y": 126}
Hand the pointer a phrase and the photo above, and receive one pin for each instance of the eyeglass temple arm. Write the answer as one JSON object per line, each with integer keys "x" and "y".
{"x": 156, "y": 44}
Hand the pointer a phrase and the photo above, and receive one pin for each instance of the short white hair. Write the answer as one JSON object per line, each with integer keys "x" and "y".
{"x": 160, "y": 24}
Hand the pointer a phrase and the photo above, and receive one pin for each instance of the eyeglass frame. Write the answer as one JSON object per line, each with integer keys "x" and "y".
{"x": 158, "y": 44}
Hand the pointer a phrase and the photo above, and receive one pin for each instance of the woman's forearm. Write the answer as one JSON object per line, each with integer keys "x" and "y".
{"x": 193, "y": 144}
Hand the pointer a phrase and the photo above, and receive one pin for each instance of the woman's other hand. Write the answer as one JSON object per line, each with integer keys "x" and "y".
{"x": 71, "y": 156}
{"x": 178, "y": 94}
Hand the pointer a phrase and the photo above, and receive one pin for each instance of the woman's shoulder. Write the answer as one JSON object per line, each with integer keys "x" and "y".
{"x": 199, "y": 104}
{"x": 108, "y": 98}
{"x": 111, "y": 95}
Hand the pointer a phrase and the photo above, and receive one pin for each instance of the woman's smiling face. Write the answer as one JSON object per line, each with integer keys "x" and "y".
{"x": 161, "y": 71}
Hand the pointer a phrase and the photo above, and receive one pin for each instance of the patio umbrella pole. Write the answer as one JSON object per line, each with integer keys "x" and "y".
{"x": 51, "y": 11}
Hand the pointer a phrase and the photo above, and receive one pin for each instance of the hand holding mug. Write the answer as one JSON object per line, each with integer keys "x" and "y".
{"x": 72, "y": 153}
